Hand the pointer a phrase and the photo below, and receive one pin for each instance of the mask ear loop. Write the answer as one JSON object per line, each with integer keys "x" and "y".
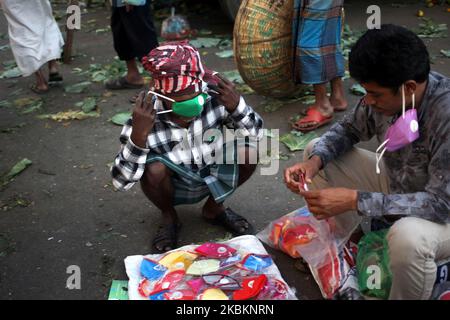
{"x": 161, "y": 96}
{"x": 378, "y": 157}
{"x": 403, "y": 101}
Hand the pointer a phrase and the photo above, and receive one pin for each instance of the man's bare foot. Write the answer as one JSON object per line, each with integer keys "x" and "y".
{"x": 338, "y": 103}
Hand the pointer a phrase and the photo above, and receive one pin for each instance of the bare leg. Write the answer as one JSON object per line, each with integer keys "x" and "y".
{"x": 322, "y": 104}
{"x": 337, "y": 98}
{"x": 41, "y": 82}
{"x": 133, "y": 75}
{"x": 157, "y": 186}
{"x": 212, "y": 209}
{"x": 52, "y": 66}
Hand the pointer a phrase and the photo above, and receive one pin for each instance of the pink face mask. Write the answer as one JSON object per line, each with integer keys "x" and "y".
{"x": 404, "y": 131}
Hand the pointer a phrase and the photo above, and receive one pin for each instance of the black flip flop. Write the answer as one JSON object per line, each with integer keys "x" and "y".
{"x": 54, "y": 78}
{"x": 168, "y": 235}
{"x": 121, "y": 83}
{"x": 35, "y": 89}
{"x": 232, "y": 222}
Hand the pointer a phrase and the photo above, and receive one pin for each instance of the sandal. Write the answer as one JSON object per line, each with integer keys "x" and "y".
{"x": 54, "y": 78}
{"x": 166, "y": 237}
{"x": 232, "y": 222}
{"x": 121, "y": 83}
{"x": 35, "y": 89}
{"x": 134, "y": 98}
{"x": 313, "y": 116}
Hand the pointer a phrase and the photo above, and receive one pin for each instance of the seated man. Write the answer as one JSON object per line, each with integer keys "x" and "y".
{"x": 410, "y": 190}
{"x": 168, "y": 145}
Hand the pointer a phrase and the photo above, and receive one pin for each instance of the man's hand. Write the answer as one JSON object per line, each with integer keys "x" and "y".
{"x": 309, "y": 168}
{"x": 128, "y": 7}
{"x": 143, "y": 119}
{"x": 228, "y": 95}
{"x": 327, "y": 203}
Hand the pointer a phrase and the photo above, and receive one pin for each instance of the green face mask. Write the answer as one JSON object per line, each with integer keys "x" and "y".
{"x": 190, "y": 108}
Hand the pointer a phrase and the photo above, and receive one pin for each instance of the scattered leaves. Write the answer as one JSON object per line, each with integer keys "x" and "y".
{"x": 121, "y": 118}
{"x": 69, "y": 115}
{"x": 78, "y": 87}
{"x": 15, "y": 170}
{"x": 297, "y": 140}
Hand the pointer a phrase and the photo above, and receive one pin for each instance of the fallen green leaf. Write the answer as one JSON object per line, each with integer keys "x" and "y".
{"x": 358, "y": 90}
{"x": 446, "y": 53}
{"x": 430, "y": 29}
{"x": 225, "y": 54}
{"x": 204, "y": 42}
{"x": 11, "y": 73}
{"x": 87, "y": 105}
{"x": 28, "y": 105}
{"x": 78, "y": 87}
{"x": 121, "y": 118}
{"x": 244, "y": 88}
{"x": 271, "y": 105}
{"x": 15, "y": 170}
{"x": 9, "y": 64}
{"x": 233, "y": 76}
{"x": 69, "y": 115}
{"x": 5, "y": 104}
{"x": 5, "y": 47}
{"x": 296, "y": 140}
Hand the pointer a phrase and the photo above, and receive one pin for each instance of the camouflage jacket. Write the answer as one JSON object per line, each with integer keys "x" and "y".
{"x": 419, "y": 173}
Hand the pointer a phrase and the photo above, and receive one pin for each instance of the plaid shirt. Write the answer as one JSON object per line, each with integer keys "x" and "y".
{"x": 185, "y": 146}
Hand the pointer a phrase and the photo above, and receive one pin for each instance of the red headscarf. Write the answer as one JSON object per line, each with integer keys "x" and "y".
{"x": 176, "y": 68}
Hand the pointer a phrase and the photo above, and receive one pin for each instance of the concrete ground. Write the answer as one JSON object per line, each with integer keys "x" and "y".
{"x": 75, "y": 217}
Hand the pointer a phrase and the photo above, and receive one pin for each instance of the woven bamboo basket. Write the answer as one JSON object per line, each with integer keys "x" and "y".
{"x": 262, "y": 46}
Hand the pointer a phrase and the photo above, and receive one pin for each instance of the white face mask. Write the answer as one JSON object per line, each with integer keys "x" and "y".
{"x": 404, "y": 131}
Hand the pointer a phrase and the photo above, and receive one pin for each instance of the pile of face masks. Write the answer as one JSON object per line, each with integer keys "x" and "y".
{"x": 238, "y": 269}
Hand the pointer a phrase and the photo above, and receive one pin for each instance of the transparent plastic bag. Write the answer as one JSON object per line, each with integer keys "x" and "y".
{"x": 300, "y": 234}
{"x": 175, "y": 28}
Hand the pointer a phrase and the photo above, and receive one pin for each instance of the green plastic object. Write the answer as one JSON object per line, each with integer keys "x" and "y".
{"x": 119, "y": 290}
{"x": 190, "y": 108}
{"x": 372, "y": 263}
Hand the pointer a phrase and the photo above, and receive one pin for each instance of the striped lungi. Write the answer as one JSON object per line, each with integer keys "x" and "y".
{"x": 216, "y": 180}
{"x": 316, "y": 37}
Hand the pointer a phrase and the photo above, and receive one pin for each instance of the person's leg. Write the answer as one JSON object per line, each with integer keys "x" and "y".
{"x": 53, "y": 66}
{"x": 133, "y": 76}
{"x": 211, "y": 208}
{"x": 41, "y": 84}
{"x": 157, "y": 186}
{"x": 414, "y": 247}
{"x": 322, "y": 108}
{"x": 337, "y": 97}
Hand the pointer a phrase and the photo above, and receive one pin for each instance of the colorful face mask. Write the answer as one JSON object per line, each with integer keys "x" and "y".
{"x": 201, "y": 267}
{"x": 256, "y": 262}
{"x": 273, "y": 290}
{"x": 152, "y": 270}
{"x": 404, "y": 131}
{"x": 215, "y": 250}
{"x": 230, "y": 261}
{"x": 251, "y": 287}
{"x": 221, "y": 281}
{"x": 213, "y": 294}
{"x": 169, "y": 281}
{"x": 179, "y": 295}
{"x": 178, "y": 260}
{"x": 158, "y": 296}
{"x": 187, "y": 108}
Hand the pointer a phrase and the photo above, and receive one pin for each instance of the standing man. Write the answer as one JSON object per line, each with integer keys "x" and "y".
{"x": 134, "y": 37}
{"x": 407, "y": 108}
